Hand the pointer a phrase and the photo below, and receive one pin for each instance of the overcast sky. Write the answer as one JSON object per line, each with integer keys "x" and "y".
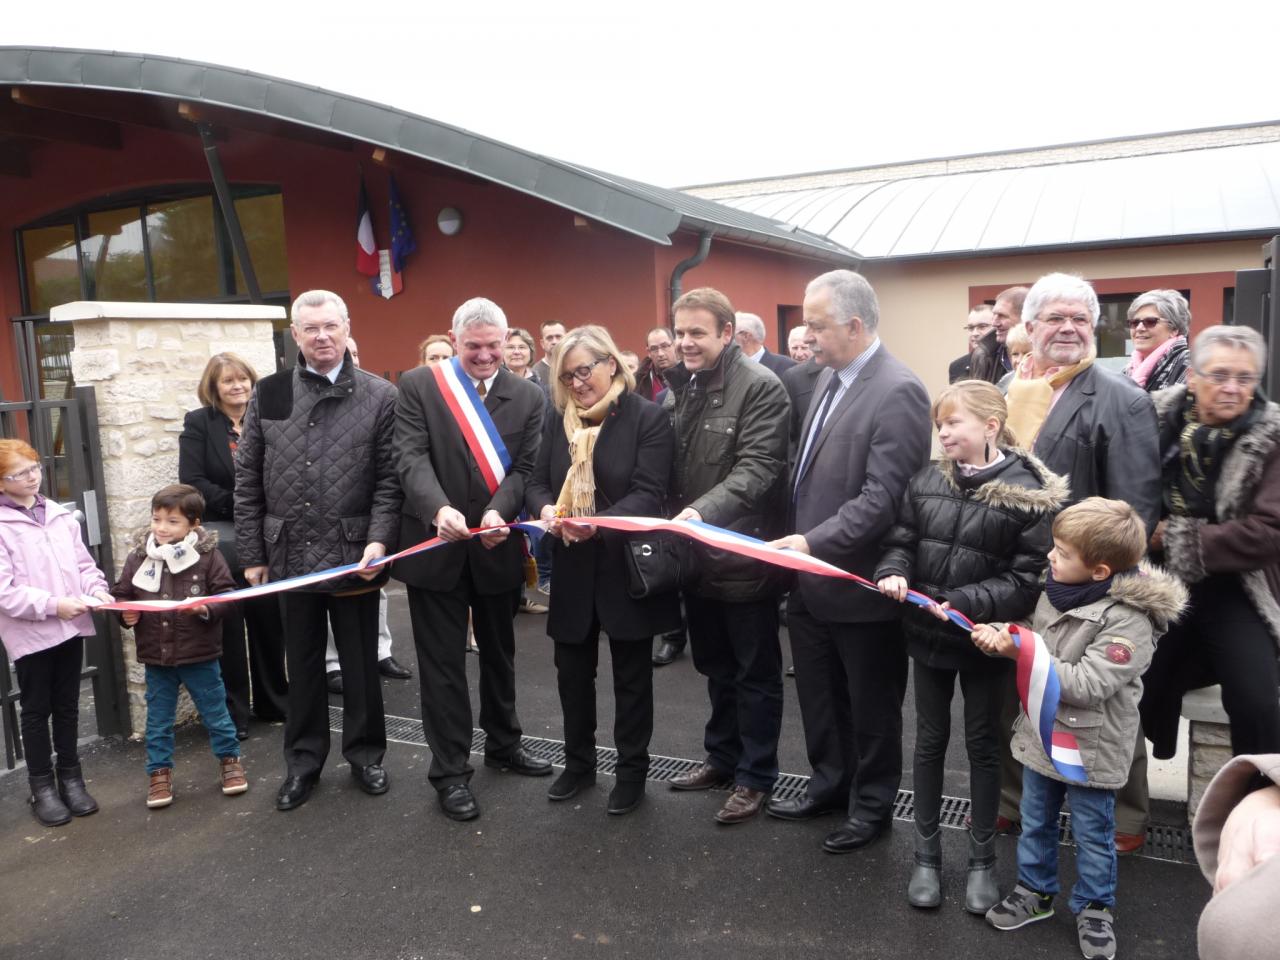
{"x": 696, "y": 92}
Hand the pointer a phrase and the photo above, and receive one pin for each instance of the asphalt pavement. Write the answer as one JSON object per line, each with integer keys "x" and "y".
{"x": 353, "y": 876}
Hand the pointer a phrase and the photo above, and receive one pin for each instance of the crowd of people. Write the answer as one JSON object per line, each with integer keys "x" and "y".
{"x": 1127, "y": 523}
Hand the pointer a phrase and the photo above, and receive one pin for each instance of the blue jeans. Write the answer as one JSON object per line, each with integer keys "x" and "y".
{"x": 542, "y": 557}
{"x": 204, "y": 682}
{"x": 1093, "y": 824}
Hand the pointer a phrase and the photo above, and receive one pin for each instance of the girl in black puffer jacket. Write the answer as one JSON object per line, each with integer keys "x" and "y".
{"x": 974, "y": 530}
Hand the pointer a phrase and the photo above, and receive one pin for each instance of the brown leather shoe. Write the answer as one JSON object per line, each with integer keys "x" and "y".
{"x": 233, "y": 778}
{"x": 743, "y": 804}
{"x": 160, "y": 788}
{"x": 702, "y": 777}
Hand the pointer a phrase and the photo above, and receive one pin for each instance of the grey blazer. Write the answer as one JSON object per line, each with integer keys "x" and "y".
{"x": 847, "y": 498}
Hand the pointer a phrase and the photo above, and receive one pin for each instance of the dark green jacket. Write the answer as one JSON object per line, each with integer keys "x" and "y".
{"x": 731, "y": 427}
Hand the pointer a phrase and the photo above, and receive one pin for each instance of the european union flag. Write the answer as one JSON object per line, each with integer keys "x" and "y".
{"x": 402, "y": 242}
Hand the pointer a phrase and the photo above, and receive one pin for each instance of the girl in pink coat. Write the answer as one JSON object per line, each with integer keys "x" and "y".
{"x": 45, "y": 575}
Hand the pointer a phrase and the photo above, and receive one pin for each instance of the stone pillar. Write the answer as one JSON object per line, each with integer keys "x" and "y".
{"x": 1210, "y": 741}
{"x": 144, "y": 361}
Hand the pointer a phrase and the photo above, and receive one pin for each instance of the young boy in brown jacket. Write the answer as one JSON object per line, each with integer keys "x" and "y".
{"x": 177, "y": 559}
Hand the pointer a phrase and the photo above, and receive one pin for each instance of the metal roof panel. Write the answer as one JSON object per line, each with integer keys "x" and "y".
{"x": 244, "y": 91}
{"x": 173, "y": 79}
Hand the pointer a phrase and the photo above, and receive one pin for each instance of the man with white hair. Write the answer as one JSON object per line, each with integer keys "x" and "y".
{"x": 796, "y": 345}
{"x": 316, "y": 488}
{"x": 466, "y": 437}
{"x": 748, "y": 330}
{"x": 1097, "y": 429}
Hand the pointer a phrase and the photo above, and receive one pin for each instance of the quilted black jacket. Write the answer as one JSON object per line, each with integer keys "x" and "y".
{"x": 981, "y": 543}
{"x": 315, "y": 475}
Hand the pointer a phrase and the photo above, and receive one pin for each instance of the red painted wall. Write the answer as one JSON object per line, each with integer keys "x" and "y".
{"x": 527, "y": 255}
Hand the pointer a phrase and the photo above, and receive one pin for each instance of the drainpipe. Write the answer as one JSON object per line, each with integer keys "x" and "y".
{"x": 677, "y": 275}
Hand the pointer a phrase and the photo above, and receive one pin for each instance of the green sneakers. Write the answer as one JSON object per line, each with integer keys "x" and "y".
{"x": 1019, "y": 908}
{"x": 1095, "y": 928}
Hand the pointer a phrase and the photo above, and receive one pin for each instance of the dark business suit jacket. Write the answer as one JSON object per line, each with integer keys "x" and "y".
{"x": 776, "y": 362}
{"x": 632, "y": 466}
{"x": 847, "y": 498}
{"x": 799, "y": 381}
{"x": 204, "y": 461}
{"x": 436, "y": 469}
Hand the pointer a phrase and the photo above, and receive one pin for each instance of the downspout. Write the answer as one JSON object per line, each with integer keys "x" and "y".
{"x": 677, "y": 275}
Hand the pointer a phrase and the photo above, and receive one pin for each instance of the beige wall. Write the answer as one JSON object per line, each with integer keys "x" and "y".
{"x": 923, "y": 304}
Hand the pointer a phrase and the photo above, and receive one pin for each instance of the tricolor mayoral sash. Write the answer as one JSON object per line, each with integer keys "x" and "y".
{"x": 477, "y": 426}
{"x": 1040, "y": 692}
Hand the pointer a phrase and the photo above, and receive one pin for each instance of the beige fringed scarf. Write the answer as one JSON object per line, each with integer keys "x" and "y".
{"x": 1030, "y": 398}
{"x": 582, "y": 428}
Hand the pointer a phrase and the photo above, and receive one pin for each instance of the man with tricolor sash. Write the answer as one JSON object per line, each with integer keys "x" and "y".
{"x": 466, "y": 439}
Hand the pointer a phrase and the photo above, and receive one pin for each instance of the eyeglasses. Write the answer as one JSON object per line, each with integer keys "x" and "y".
{"x": 582, "y": 373}
{"x": 1057, "y": 320}
{"x": 1149, "y": 322}
{"x": 310, "y": 332}
{"x": 1246, "y": 381}
{"x": 34, "y": 470}
{"x": 660, "y": 347}
{"x": 977, "y": 327}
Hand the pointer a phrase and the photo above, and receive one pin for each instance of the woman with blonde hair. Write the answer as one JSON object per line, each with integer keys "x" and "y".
{"x": 609, "y": 452}
{"x": 974, "y": 532}
{"x": 255, "y": 682}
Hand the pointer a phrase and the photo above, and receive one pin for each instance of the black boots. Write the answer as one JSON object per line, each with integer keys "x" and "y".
{"x": 924, "y": 889}
{"x": 73, "y": 793}
{"x": 980, "y": 892}
{"x": 45, "y": 802}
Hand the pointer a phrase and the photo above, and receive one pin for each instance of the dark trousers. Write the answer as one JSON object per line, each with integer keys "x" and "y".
{"x": 850, "y": 680}
{"x": 735, "y": 646}
{"x": 440, "y": 635}
{"x": 306, "y": 729}
{"x": 632, "y": 697}
{"x": 49, "y": 688}
{"x": 254, "y": 674}
{"x": 1220, "y": 639}
{"x": 982, "y": 690}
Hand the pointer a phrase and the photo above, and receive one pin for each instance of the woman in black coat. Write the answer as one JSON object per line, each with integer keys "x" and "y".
{"x": 206, "y": 452}
{"x": 609, "y": 453}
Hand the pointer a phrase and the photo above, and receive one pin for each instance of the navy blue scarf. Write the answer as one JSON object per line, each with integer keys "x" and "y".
{"x": 1068, "y": 596}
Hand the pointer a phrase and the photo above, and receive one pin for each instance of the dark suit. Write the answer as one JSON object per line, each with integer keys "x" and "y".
{"x": 850, "y": 662}
{"x": 959, "y": 369}
{"x": 255, "y": 682}
{"x": 437, "y": 469}
{"x": 799, "y": 381}
{"x": 776, "y": 362}
{"x": 632, "y": 465}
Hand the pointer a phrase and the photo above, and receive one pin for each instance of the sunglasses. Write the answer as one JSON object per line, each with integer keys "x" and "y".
{"x": 1149, "y": 322}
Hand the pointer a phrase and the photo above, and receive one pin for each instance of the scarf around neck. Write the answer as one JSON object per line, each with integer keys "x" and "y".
{"x": 1190, "y": 490}
{"x": 582, "y": 428}
{"x": 1141, "y": 366}
{"x": 176, "y": 556}
{"x": 1031, "y": 398}
{"x": 1068, "y": 596}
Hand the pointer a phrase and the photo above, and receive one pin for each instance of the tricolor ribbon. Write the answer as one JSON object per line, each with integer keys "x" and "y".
{"x": 477, "y": 426}
{"x": 1040, "y": 692}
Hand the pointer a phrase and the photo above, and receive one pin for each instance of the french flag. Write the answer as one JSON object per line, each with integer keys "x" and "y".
{"x": 1040, "y": 692}
{"x": 366, "y": 248}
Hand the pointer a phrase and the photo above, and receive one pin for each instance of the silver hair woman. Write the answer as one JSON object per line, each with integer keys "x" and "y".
{"x": 1220, "y": 534}
{"x": 1159, "y": 321}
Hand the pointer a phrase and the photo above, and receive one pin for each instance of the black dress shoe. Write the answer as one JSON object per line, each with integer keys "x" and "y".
{"x": 801, "y": 808}
{"x": 520, "y": 761}
{"x": 854, "y": 834}
{"x": 372, "y": 779}
{"x": 388, "y": 667}
{"x": 242, "y": 733}
{"x": 458, "y": 802}
{"x": 294, "y": 792}
{"x": 569, "y": 784}
{"x": 625, "y": 797}
{"x": 667, "y": 652}
{"x": 333, "y": 680}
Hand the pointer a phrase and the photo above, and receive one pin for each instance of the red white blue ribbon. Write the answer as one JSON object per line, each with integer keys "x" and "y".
{"x": 1041, "y": 692}
{"x": 477, "y": 426}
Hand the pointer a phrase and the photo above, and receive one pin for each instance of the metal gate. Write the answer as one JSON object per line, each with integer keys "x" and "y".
{"x": 60, "y": 420}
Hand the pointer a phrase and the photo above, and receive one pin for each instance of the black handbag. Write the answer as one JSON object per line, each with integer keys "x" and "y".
{"x": 659, "y": 563}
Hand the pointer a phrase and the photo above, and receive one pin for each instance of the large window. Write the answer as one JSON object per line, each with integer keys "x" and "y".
{"x": 167, "y": 246}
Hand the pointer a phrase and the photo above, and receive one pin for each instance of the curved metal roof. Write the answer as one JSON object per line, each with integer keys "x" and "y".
{"x": 647, "y": 211}
{"x": 1196, "y": 194}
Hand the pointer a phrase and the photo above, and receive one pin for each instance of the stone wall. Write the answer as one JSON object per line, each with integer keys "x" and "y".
{"x": 1210, "y": 742}
{"x": 144, "y": 361}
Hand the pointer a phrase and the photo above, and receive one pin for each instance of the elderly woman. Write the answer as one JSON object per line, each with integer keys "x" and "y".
{"x": 517, "y": 354}
{"x": 1158, "y": 324}
{"x": 206, "y": 452}
{"x": 609, "y": 452}
{"x": 1221, "y": 535}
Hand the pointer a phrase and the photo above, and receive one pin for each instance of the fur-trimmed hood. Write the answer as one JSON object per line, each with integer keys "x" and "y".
{"x": 1160, "y": 596}
{"x": 206, "y": 540}
{"x": 1051, "y": 496}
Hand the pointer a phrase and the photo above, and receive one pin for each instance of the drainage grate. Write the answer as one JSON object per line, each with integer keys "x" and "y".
{"x": 1163, "y": 842}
